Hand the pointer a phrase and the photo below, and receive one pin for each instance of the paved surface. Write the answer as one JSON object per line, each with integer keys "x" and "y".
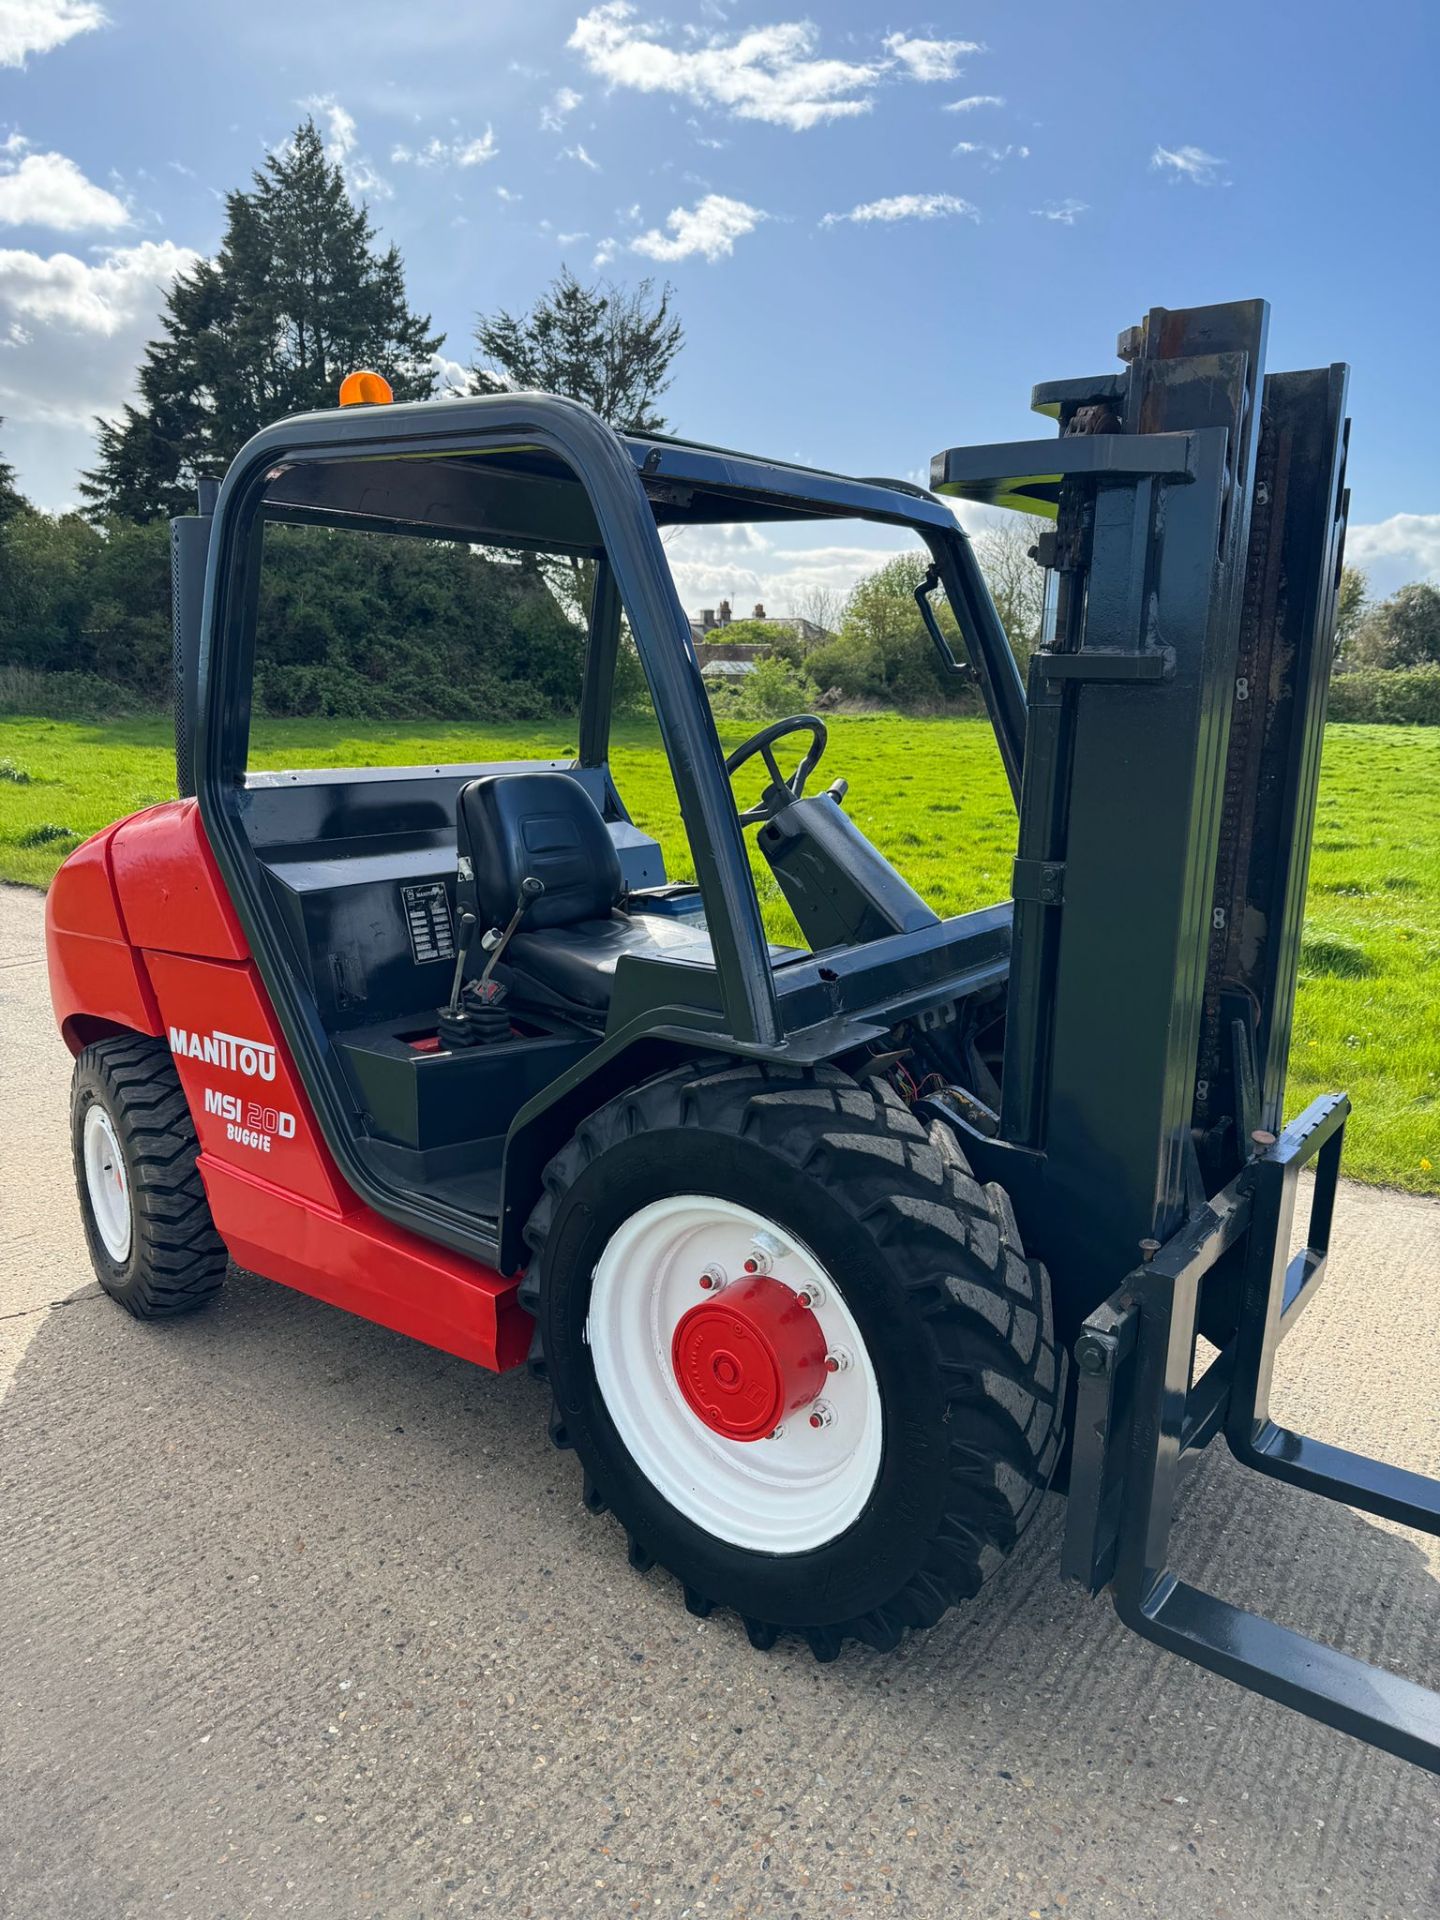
{"x": 300, "y": 1618}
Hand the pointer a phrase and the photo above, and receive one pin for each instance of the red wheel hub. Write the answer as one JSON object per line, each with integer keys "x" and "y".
{"x": 747, "y": 1359}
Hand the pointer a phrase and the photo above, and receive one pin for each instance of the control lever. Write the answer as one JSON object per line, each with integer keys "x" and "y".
{"x": 495, "y": 944}
{"x": 454, "y": 1021}
{"x": 486, "y": 1020}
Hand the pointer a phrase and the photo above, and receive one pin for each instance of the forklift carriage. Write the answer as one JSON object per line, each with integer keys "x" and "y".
{"x": 834, "y": 1257}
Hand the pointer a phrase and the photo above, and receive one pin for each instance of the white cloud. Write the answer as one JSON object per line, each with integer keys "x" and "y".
{"x": 453, "y": 376}
{"x": 558, "y": 109}
{"x": 339, "y": 124}
{"x": 75, "y": 330}
{"x": 60, "y": 290}
{"x": 39, "y": 26}
{"x": 1404, "y": 547}
{"x": 49, "y": 190}
{"x": 474, "y": 153}
{"x": 1188, "y": 163}
{"x": 579, "y": 155}
{"x": 739, "y": 564}
{"x": 974, "y": 100}
{"x": 84, "y": 326}
{"x": 906, "y": 206}
{"x": 992, "y": 156}
{"x": 342, "y": 147}
{"x": 1067, "y": 212}
{"x": 930, "y": 59}
{"x": 448, "y": 153}
{"x": 504, "y": 193}
{"x": 767, "y": 73}
{"x": 711, "y": 227}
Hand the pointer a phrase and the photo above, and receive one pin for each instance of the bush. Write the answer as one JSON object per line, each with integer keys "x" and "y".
{"x": 1409, "y": 697}
{"x": 44, "y": 834}
{"x": 771, "y": 691}
{"x": 1402, "y": 632}
{"x": 781, "y": 641}
{"x": 350, "y": 626}
{"x": 63, "y": 696}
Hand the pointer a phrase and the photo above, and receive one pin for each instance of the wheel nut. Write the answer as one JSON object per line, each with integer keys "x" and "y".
{"x": 820, "y": 1415}
{"x": 811, "y": 1295}
{"x": 776, "y": 1434}
{"x": 712, "y": 1279}
{"x": 837, "y": 1360}
{"x": 765, "y": 1250}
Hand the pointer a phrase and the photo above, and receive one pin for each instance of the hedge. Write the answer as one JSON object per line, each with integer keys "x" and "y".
{"x": 1406, "y": 696}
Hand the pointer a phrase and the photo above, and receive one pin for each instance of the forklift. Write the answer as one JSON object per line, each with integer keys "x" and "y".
{"x": 834, "y": 1258}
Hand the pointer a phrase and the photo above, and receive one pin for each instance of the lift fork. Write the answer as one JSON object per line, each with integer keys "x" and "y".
{"x": 1139, "y": 1416}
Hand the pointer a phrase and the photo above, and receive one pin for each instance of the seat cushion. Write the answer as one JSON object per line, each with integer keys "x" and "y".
{"x": 514, "y": 825}
{"x": 578, "y": 963}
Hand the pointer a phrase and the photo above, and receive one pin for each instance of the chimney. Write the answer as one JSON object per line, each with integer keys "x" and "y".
{"x": 724, "y": 613}
{"x": 707, "y": 619}
{"x": 759, "y": 613}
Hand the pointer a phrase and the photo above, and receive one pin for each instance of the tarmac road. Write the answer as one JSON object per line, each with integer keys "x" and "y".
{"x": 300, "y": 1618}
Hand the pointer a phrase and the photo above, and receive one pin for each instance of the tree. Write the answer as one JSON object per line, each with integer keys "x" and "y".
{"x": 882, "y": 651}
{"x": 1403, "y": 631}
{"x": 822, "y": 606}
{"x": 612, "y": 347}
{"x": 297, "y": 297}
{"x": 1351, "y": 607}
{"x": 1017, "y": 585}
{"x": 12, "y": 501}
{"x": 47, "y": 565}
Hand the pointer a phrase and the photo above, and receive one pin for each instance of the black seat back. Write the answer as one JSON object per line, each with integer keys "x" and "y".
{"x": 511, "y": 825}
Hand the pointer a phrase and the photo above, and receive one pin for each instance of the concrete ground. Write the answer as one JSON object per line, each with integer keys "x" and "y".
{"x": 300, "y": 1618}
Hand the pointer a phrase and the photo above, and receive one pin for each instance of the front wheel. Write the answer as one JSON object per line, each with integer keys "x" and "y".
{"x": 797, "y": 1347}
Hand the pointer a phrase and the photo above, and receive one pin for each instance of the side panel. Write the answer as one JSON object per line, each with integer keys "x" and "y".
{"x": 97, "y": 980}
{"x": 363, "y": 1264}
{"x": 279, "y": 1202}
{"x": 250, "y": 1110}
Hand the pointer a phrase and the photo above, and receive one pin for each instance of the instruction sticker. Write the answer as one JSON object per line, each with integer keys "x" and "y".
{"x": 427, "y": 915}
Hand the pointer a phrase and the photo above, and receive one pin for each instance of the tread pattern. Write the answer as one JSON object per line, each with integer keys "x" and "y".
{"x": 984, "y": 1306}
{"x": 177, "y": 1260}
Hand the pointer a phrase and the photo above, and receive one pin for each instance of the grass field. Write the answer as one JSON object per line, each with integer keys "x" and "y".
{"x": 932, "y": 795}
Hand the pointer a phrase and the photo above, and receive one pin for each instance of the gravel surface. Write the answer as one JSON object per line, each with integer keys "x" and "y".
{"x": 300, "y": 1618}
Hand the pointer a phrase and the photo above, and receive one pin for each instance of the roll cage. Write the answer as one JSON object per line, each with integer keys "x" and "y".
{"x": 530, "y": 470}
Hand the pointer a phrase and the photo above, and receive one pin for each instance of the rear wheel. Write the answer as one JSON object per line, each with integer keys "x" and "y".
{"x": 797, "y": 1347}
{"x": 152, "y": 1242}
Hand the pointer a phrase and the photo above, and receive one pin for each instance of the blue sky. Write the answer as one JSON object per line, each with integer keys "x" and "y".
{"x": 882, "y": 226}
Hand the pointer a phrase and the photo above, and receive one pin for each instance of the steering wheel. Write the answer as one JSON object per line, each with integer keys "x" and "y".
{"x": 781, "y": 791}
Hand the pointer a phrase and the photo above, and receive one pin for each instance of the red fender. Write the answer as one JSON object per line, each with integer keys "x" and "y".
{"x": 98, "y": 983}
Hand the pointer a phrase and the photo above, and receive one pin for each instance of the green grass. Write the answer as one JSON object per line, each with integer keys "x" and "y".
{"x": 931, "y": 793}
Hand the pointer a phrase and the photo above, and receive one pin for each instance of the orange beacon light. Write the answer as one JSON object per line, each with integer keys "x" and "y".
{"x": 365, "y": 389}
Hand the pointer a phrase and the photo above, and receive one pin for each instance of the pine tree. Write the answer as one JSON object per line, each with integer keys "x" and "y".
{"x": 296, "y": 298}
{"x": 609, "y": 346}
{"x": 12, "y": 501}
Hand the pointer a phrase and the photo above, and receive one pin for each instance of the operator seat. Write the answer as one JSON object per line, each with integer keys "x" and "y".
{"x": 511, "y": 825}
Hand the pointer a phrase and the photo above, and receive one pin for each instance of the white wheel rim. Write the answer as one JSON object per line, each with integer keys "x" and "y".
{"x": 106, "y": 1183}
{"x": 787, "y": 1494}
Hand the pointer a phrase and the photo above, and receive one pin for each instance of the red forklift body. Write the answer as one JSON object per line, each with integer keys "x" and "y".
{"x": 141, "y": 937}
